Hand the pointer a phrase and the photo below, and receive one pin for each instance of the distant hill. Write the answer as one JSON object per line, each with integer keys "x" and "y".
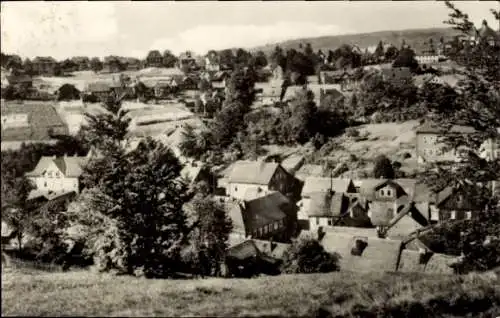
{"x": 415, "y": 38}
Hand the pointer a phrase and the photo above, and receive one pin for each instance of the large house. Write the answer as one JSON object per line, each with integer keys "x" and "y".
{"x": 430, "y": 147}
{"x": 452, "y": 204}
{"x": 258, "y": 178}
{"x": 101, "y": 90}
{"x": 56, "y": 175}
{"x": 271, "y": 216}
{"x": 348, "y": 79}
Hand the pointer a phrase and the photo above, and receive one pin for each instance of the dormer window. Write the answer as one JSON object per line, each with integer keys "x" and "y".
{"x": 382, "y": 192}
{"x": 389, "y": 193}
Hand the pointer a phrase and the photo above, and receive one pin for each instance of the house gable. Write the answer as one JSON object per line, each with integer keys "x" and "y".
{"x": 388, "y": 190}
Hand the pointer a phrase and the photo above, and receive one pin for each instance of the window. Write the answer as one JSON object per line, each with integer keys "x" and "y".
{"x": 330, "y": 222}
{"x": 453, "y": 215}
{"x": 317, "y": 221}
{"x": 382, "y": 192}
{"x": 45, "y": 184}
{"x": 468, "y": 215}
{"x": 235, "y": 188}
{"x": 389, "y": 193}
{"x": 58, "y": 175}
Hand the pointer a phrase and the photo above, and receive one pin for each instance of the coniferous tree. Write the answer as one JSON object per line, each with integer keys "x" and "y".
{"x": 477, "y": 106}
{"x": 137, "y": 194}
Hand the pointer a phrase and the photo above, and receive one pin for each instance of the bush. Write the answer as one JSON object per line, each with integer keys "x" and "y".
{"x": 352, "y": 132}
{"x": 383, "y": 168}
{"x": 306, "y": 255}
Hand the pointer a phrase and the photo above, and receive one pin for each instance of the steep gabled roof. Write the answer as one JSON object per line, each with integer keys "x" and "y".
{"x": 324, "y": 204}
{"x": 253, "y": 172}
{"x": 321, "y": 184}
{"x": 249, "y": 215}
{"x": 70, "y": 167}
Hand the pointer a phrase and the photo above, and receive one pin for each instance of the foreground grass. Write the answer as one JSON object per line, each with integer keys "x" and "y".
{"x": 341, "y": 294}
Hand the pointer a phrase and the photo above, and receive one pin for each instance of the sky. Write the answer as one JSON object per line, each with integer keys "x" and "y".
{"x": 65, "y": 29}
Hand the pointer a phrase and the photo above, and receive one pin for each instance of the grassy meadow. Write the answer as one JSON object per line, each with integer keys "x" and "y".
{"x": 340, "y": 294}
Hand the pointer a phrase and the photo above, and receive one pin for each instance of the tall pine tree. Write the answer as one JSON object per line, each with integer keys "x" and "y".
{"x": 137, "y": 194}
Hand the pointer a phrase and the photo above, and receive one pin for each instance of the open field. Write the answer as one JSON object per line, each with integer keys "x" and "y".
{"x": 341, "y": 294}
{"x": 161, "y": 116}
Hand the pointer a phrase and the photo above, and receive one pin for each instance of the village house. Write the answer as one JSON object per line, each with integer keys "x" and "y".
{"x": 359, "y": 249}
{"x": 293, "y": 163}
{"x": 347, "y": 79}
{"x": 427, "y": 58}
{"x": 57, "y": 175}
{"x": 187, "y": 60}
{"x": 267, "y": 94}
{"x": 18, "y": 80}
{"x": 246, "y": 258}
{"x": 453, "y": 204}
{"x": 270, "y": 217}
{"x": 30, "y": 121}
{"x": 101, "y": 90}
{"x": 430, "y": 147}
{"x": 490, "y": 149}
{"x": 329, "y": 201}
{"x": 44, "y": 66}
{"x": 487, "y": 35}
{"x": 401, "y": 202}
{"x": 212, "y": 61}
{"x": 259, "y": 178}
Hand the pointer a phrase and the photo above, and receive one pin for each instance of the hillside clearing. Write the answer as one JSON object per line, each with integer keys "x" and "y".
{"x": 340, "y": 293}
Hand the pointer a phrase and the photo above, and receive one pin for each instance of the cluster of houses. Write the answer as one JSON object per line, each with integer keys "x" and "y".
{"x": 261, "y": 200}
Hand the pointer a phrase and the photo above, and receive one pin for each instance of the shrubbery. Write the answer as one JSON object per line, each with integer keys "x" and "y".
{"x": 307, "y": 255}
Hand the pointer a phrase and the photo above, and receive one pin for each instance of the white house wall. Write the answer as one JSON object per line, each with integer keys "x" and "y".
{"x": 238, "y": 190}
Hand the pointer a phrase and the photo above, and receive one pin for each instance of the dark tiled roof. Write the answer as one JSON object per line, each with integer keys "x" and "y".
{"x": 250, "y": 215}
{"x": 70, "y": 166}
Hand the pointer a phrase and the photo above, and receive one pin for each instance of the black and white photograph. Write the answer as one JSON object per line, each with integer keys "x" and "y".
{"x": 250, "y": 158}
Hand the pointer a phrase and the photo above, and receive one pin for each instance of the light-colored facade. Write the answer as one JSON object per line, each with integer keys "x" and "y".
{"x": 15, "y": 120}
{"x": 427, "y": 58}
{"x": 57, "y": 174}
{"x": 490, "y": 149}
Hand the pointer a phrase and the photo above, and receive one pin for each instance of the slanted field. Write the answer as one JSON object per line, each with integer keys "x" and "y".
{"x": 341, "y": 294}
{"x": 391, "y": 139}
